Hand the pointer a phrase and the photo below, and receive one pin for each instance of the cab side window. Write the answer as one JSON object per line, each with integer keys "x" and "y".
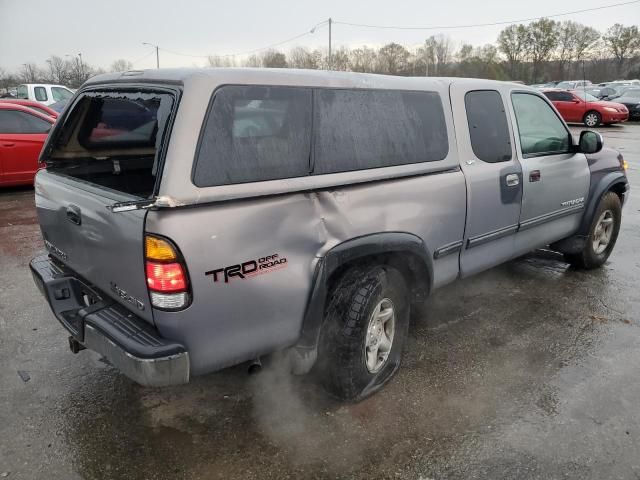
{"x": 488, "y": 126}
{"x": 541, "y": 131}
{"x": 13, "y": 121}
{"x": 40, "y": 93}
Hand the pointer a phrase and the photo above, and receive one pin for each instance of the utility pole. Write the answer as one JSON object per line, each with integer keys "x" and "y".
{"x": 329, "y": 62}
{"x": 157, "y": 52}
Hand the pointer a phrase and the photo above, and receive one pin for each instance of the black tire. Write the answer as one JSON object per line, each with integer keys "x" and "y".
{"x": 589, "y": 258}
{"x": 589, "y": 118}
{"x": 342, "y": 366}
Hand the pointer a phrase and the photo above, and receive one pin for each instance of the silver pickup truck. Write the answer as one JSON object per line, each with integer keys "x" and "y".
{"x": 197, "y": 219}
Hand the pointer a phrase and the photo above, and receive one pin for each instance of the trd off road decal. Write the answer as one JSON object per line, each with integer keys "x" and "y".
{"x": 248, "y": 269}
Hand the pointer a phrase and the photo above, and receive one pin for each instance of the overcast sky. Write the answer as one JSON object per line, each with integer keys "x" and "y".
{"x": 105, "y": 30}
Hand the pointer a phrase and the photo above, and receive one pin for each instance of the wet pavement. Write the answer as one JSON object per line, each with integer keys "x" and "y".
{"x": 529, "y": 370}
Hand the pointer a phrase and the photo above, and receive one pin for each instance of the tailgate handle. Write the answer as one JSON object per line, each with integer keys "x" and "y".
{"x": 73, "y": 214}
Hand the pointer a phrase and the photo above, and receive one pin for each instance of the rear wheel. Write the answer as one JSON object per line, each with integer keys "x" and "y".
{"x": 592, "y": 119}
{"x": 602, "y": 234}
{"x": 364, "y": 331}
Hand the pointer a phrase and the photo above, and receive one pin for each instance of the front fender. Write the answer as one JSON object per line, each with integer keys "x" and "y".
{"x": 610, "y": 181}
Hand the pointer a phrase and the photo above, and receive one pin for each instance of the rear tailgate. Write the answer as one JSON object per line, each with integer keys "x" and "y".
{"x": 104, "y": 248}
{"x": 107, "y": 149}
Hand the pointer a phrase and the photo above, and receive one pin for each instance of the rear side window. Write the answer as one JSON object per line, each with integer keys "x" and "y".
{"x": 362, "y": 129}
{"x": 13, "y": 121}
{"x": 488, "y": 126}
{"x": 23, "y": 93}
{"x": 40, "y": 93}
{"x": 255, "y": 133}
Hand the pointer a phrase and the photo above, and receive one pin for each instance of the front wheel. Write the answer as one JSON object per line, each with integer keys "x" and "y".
{"x": 603, "y": 234}
{"x": 364, "y": 331}
{"x": 592, "y": 119}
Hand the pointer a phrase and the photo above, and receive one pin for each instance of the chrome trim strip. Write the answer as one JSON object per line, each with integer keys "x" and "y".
{"x": 548, "y": 217}
{"x": 448, "y": 249}
{"x": 490, "y": 236}
{"x": 149, "y": 372}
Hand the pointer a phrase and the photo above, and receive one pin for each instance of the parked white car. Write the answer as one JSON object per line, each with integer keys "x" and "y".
{"x": 44, "y": 93}
{"x": 573, "y": 84}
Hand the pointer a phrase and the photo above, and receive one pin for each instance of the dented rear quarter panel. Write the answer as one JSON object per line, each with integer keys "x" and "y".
{"x": 232, "y": 322}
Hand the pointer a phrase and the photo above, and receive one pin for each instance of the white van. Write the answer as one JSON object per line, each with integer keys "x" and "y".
{"x": 44, "y": 93}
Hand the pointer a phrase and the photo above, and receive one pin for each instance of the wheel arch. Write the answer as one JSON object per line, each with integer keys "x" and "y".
{"x": 402, "y": 250}
{"x": 616, "y": 182}
{"x": 591, "y": 111}
{"x": 611, "y": 182}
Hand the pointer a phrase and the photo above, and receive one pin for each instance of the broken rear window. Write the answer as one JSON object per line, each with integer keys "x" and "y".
{"x": 113, "y": 139}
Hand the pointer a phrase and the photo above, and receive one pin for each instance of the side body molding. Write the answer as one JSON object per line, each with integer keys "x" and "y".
{"x": 396, "y": 248}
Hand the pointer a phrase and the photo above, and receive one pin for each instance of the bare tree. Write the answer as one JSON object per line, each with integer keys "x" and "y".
{"x": 425, "y": 56}
{"x": 300, "y": 57}
{"x": 574, "y": 40}
{"x": 121, "y": 65}
{"x": 59, "y": 70}
{"x": 220, "y": 61}
{"x": 623, "y": 42}
{"x": 512, "y": 42}
{"x": 252, "y": 61}
{"x": 274, "y": 59}
{"x": 30, "y": 73}
{"x": 340, "y": 59}
{"x": 393, "y": 59}
{"x": 363, "y": 59}
{"x": 542, "y": 41}
{"x": 442, "y": 49}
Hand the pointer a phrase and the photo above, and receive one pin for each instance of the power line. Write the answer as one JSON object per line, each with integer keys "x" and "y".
{"x": 447, "y": 27}
{"x": 146, "y": 55}
{"x": 247, "y": 52}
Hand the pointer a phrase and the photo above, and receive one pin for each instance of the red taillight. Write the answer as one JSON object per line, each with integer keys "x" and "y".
{"x": 166, "y": 277}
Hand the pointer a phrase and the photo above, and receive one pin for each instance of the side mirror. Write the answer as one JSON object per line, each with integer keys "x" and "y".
{"x": 575, "y": 100}
{"x": 590, "y": 142}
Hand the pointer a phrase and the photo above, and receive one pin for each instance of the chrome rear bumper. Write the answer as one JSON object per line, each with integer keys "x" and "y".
{"x": 125, "y": 340}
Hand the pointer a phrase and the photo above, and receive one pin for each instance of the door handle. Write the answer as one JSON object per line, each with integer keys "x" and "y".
{"x": 534, "y": 176}
{"x": 512, "y": 180}
{"x": 8, "y": 144}
{"x": 73, "y": 214}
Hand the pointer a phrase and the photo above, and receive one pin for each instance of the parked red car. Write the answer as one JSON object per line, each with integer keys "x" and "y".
{"x": 38, "y": 107}
{"x": 22, "y": 134}
{"x": 577, "y": 106}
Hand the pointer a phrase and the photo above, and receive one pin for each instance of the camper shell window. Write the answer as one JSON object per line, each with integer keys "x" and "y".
{"x": 113, "y": 139}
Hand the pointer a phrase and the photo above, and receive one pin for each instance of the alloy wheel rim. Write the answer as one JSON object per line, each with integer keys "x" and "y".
{"x": 379, "y": 337}
{"x": 592, "y": 119}
{"x": 603, "y": 232}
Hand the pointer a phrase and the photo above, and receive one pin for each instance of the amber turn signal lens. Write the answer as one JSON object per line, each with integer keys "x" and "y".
{"x": 158, "y": 249}
{"x": 625, "y": 165}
